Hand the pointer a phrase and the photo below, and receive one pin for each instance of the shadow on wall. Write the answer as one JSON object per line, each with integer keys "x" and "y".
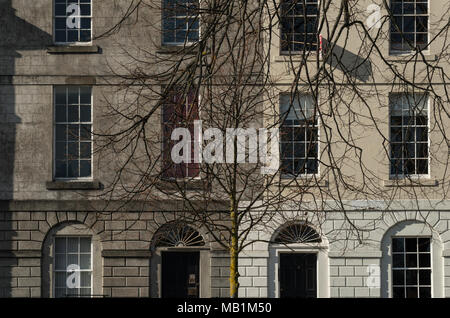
{"x": 355, "y": 66}
{"x": 16, "y": 34}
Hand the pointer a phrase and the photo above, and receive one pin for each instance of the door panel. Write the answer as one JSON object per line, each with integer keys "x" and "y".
{"x": 298, "y": 275}
{"x": 180, "y": 274}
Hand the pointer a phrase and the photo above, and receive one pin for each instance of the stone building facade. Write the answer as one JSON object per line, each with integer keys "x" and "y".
{"x": 45, "y": 220}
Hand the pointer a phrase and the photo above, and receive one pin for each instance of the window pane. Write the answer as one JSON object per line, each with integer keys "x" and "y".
{"x": 73, "y": 132}
{"x": 299, "y": 167}
{"x": 60, "y": 169}
{"x": 398, "y": 245}
{"x": 422, "y": 166}
{"x": 411, "y": 277}
{"x": 425, "y": 292}
{"x": 85, "y": 168}
{"x": 61, "y": 151}
{"x": 399, "y": 292}
{"x": 85, "y": 9}
{"x": 286, "y": 150}
{"x": 60, "y": 36}
{"x": 424, "y": 244}
{"x": 60, "y": 9}
{"x": 425, "y": 277}
{"x": 411, "y": 292}
{"x": 72, "y": 259}
{"x": 398, "y": 277}
{"x": 60, "y": 245}
{"x": 73, "y": 169}
{"x": 85, "y": 95}
{"x": 398, "y": 260}
{"x": 72, "y": 244}
{"x": 60, "y": 262}
{"x": 85, "y": 35}
{"x": 85, "y": 132}
{"x": 85, "y": 292}
{"x": 85, "y": 245}
{"x": 73, "y": 113}
{"x": 60, "y": 113}
{"x": 61, "y": 132}
{"x": 60, "y": 23}
{"x": 60, "y": 292}
{"x": 85, "y": 261}
{"x": 72, "y": 95}
{"x": 411, "y": 260}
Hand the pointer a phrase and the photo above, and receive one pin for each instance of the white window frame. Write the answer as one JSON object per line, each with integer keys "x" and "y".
{"x": 91, "y": 270}
{"x": 76, "y": 43}
{"x": 291, "y": 52}
{"x": 303, "y": 175}
{"x": 411, "y": 176}
{"x": 91, "y": 177}
{"x": 184, "y": 43}
{"x": 411, "y": 51}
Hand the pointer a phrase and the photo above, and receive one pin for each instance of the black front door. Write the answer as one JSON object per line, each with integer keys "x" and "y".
{"x": 180, "y": 274}
{"x": 298, "y": 275}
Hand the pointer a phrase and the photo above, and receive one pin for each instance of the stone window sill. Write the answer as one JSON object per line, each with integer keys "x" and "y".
{"x": 188, "y": 184}
{"x": 404, "y": 58}
{"x": 73, "y": 185}
{"x": 303, "y": 182}
{"x": 73, "y": 49}
{"x": 286, "y": 58}
{"x": 411, "y": 183}
{"x": 176, "y": 49}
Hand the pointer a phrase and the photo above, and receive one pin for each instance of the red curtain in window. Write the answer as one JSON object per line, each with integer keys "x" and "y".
{"x": 179, "y": 110}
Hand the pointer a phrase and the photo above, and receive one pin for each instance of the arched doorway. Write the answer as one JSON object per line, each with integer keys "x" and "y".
{"x": 298, "y": 262}
{"x": 181, "y": 257}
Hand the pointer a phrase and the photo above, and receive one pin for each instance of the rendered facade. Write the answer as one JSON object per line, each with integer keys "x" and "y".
{"x": 54, "y": 81}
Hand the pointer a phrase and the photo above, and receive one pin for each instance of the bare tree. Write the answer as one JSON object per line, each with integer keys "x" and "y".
{"x": 217, "y": 61}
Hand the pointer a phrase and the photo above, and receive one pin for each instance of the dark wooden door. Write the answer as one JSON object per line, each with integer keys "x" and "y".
{"x": 298, "y": 275}
{"x": 180, "y": 274}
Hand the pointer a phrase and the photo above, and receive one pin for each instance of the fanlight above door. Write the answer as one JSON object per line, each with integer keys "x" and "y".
{"x": 178, "y": 235}
{"x": 297, "y": 233}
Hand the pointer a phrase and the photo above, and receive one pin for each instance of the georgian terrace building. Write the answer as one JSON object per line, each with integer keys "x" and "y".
{"x": 54, "y": 80}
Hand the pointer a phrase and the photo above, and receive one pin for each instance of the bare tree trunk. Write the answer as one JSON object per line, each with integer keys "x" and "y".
{"x": 234, "y": 253}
